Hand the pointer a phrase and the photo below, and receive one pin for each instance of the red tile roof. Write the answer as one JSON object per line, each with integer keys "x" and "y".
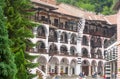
{"x": 77, "y": 12}
{"x": 111, "y": 19}
{"x": 44, "y": 3}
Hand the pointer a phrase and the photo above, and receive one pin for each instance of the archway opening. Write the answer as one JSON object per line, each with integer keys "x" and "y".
{"x": 64, "y": 66}
{"x": 53, "y": 66}
{"x": 85, "y": 67}
{"x": 42, "y": 61}
{"x": 72, "y": 66}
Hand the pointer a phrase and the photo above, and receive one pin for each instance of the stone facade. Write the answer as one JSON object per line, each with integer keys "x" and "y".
{"x": 69, "y": 42}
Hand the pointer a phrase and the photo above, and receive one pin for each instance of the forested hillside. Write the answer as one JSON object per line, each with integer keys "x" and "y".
{"x": 98, "y": 6}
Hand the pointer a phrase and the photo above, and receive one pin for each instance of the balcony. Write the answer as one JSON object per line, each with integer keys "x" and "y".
{"x": 73, "y": 42}
{"x": 42, "y": 51}
{"x": 112, "y": 40}
{"x": 55, "y": 52}
{"x": 41, "y": 36}
{"x": 52, "y": 39}
{"x": 64, "y": 53}
{"x": 100, "y": 57}
{"x": 85, "y": 56}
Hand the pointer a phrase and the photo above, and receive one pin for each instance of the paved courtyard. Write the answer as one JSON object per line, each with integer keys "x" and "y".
{"x": 76, "y": 77}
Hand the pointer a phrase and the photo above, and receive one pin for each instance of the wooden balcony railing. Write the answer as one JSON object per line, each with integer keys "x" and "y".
{"x": 54, "y": 52}
{"x": 52, "y": 39}
{"x": 64, "y": 53}
{"x": 42, "y": 36}
{"x": 100, "y": 57}
{"x": 112, "y": 40}
{"x": 42, "y": 50}
{"x": 85, "y": 56}
{"x": 73, "y": 42}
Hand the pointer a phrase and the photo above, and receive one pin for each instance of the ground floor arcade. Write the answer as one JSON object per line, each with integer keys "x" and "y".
{"x": 62, "y": 65}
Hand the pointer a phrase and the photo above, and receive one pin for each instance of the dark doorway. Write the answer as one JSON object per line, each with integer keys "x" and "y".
{"x": 73, "y": 71}
{"x": 85, "y": 69}
{"x": 66, "y": 70}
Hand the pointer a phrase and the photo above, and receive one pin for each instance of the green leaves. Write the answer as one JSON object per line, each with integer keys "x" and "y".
{"x": 98, "y": 6}
{"x": 20, "y": 30}
{"x": 7, "y": 65}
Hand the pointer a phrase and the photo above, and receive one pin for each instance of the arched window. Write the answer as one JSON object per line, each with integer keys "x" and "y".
{"x": 73, "y": 39}
{"x": 93, "y": 42}
{"x": 64, "y": 37}
{"x": 105, "y": 43}
{"x": 99, "y": 42}
{"x": 93, "y": 54}
{"x": 99, "y": 53}
{"x": 63, "y": 49}
{"x": 84, "y": 40}
{"x": 84, "y": 52}
{"x": 86, "y": 30}
{"x": 53, "y": 49}
{"x": 41, "y": 31}
{"x": 72, "y": 50}
{"x": 53, "y": 35}
{"x": 41, "y": 47}
{"x": 100, "y": 67}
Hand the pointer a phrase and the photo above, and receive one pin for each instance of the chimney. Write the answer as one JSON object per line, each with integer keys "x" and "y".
{"x": 49, "y": 1}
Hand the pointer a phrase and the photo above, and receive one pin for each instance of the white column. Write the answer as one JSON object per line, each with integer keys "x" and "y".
{"x": 68, "y": 46}
{"x": 102, "y": 48}
{"x": 59, "y": 34}
{"x": 103, "y": 69}
{"x": 96, "y": 69}
{"x": 89, "y": 50}
{"x": 58, "y": 45}
{"x": 46, "y": 71}
{"x": 69, "y": 71}
{"x": 59, "y": 69}
{"x": 78, "y": 69}
{"x": 81, "y": 25}
{"x": 90, "y": 70}
{"x": 46, "y": 43}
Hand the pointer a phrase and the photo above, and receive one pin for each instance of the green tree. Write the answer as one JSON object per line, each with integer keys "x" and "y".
{"x": 97, "y": 6}
{"x": 20, "y": 30}
{"x": 7, "y": 65}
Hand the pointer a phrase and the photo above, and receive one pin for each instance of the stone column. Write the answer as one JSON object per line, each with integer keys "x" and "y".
{"x": 68, "y": 46}
{"x": 46, "y": 67}
{"x": 90, "y": 70}
{"x": 89, "y": 50}
{"x": 59, "y": 34}
{"x": 69, "y": 71}
{"x": 96, "y": 68}
{"x": 59, "y": 68}
{"x": 46, "y": 43}
{"x": 103, "y": 69}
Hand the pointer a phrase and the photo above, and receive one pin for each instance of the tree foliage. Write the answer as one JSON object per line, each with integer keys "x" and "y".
{"x": 98, "y": 6}
{"x": 20, "y": 30}
{"x": 7, "y": 65}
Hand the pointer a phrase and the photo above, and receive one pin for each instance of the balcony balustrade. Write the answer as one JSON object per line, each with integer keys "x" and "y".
{"x": 64, "y": 53}
{"x": 112, "y": 40}
{"x": 73, "y": 42}
{"x": 41, "y": 36}
{"x": 52, "y": 39}
{"x": 42, "y": 51}
{"x": 53, "y": 52}
{"x": 100, "y": 57}
{"x": 85, "y": 56}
